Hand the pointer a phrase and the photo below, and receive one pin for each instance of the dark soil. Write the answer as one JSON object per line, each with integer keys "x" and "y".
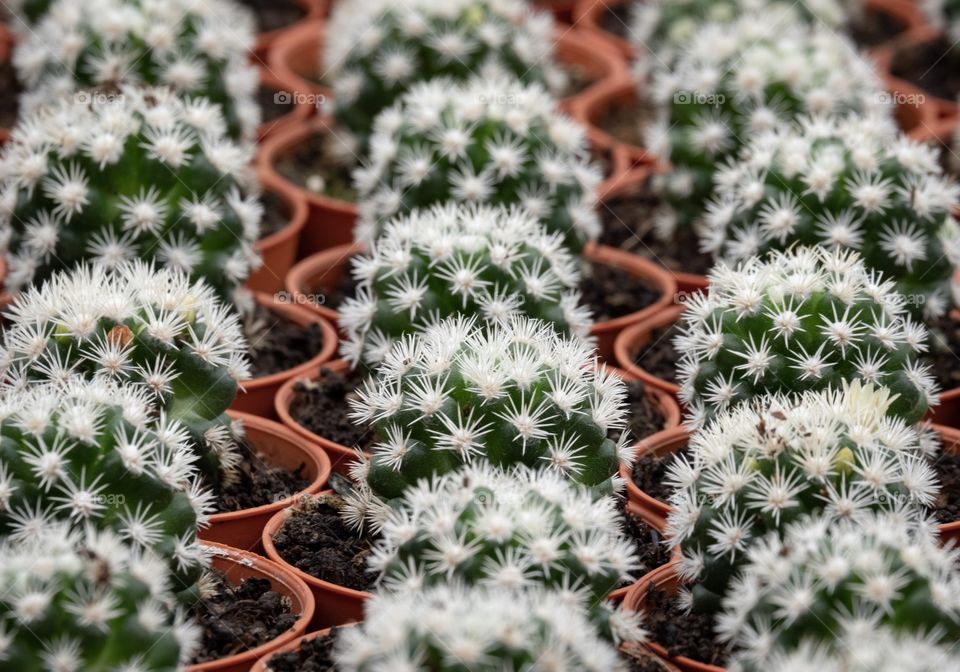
{"x": 314, "y": 655}
{"x": 616, "y": 20}
{"x": 258, "y": 483}
{"x": 275, "y": 215}
{"x": 9, "y": 95}
{"x": 273, "y": 104}
{"x": 315, "y": 540}
{"x": 649, "y": 472}
{"x": 658, "y": 357}
{"x": 932, "y": 66}
{"x": 273, "y": 14}
{"x": 681, "y": 633}
{"x": 278, "y": 344}
{"x": 944, "y": 352}
{"x": 311, "y": 159}
{"x": 577, "y": 79}
{"x": 627, "y": 122}
{"x": 644, "y": 418}
{"x": 239, "y": 618}
{"x": 642, "y": 661}
{"x": 946, "y": 509}
{"x": 321, "y": 406}
{"x": 874, "y": 28}
{"x": 345, "y": 288}
{"x": 648, "y": 543}
{"x": 611, "y": 292}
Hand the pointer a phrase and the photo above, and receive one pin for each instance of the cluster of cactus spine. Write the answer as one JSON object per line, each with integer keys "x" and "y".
{"x": 151, "y": 328}
{"x": 759, "y": 467}
{"x": 492, "y": 142}
{"x": 805, "y": 319}
{"x": 145, "y": 175}
{"x": 837, "y": 586}
{"x": 510, "y": 394}
{"x": 454, "y": 627}
{"x": 843, "y": 183}
{"x": 88, "y": 601}
{"x": 197, "y": 49}
{"x": 495, "y": 263}
{"x": 376, "y": 53}
{"x": 735, "y": 81}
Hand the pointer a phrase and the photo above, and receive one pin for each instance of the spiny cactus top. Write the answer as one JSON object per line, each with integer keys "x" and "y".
{"x": 839, "y": 183}
{"x": 452, "y": 627}
{"x": 761, "y": 466}
{"x": 490, "y": 141}
{"x": 88, "y": 601}
{"x": 376, "y": 50}
{"x": 805, "y": 319}
{"x": 152, "y": 328}
{"x": 144, "y": 175}
{"x": 735, "y": 81}
{"x": 94, "y": 453}
{"x": 452, "y": 259}
{"x": 837, "y": 584}
{"x": 517, "y": 393}
{"x": 199, "y": 48}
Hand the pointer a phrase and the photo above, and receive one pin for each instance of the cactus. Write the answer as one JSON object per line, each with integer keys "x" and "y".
{"x": 142, "y": 176}
{"x": 510, "y": 394}
{"x": 494, "y": 142}
{"x": 494, "y": 263}
{"x": 805, "y": 319}
{"x": 944, "y": 15}
{"x": 87, "y": 601}
{"x": 199, "y": 49}
{"x": 377, "y": 50}
{"x": 847, "y": 184}
{"x": 736, "y": 81}
{"x": 759, "y": 467}
{"x": 882, "y": 649}
{"x": 152, "y": 328}
{"x": 841, "y": 586}
{"x": 453, "y": 627}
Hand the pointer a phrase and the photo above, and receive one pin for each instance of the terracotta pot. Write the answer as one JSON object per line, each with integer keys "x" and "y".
{"x": 261, "y": 665}
{"x": 310, "y": 280}
{"x": 340, "y": 456}
{"x": 636, "y": 336}
{"x": 937, "y": 132}
{"x": 653, "y": 511}
{"x": 257, "y": 395}
{"x": 562, "y": 10}
{"x": 950, "y": 436}
{"x": 329, "y": 221}
{"x": 300, "y": 111}
{"x": 278, "y": 251}
{"x": 336, "y": 605}
{"x": 588, "y": 16}
{"x": 663, "y": 401}
{"x": 597, "y": 61}
{"x": 312, "y": 10}
{"x": 947, "y": 412}
{"x": 6, "y": 49}
{"x": 666, "y": 579}
{"x": 295, "y": 60}
{"x": 620, "y": 594}
{"x": 238, "y": 565}
{"x": 915, "y": 107}
{"x": 281, "y": 447}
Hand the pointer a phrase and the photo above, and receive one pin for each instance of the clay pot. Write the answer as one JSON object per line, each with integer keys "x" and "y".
{"x": 562, "y": 10}
{"x": 663, "y": 401}
{"x": 950, "y": 436}
{"x": 620, "y": 594}
{"x": 632, "y": 339}
{"x": 340, "y": 456}
{"x": 6, "y": 49}
{"x": 300, "y": 110}
{"x": 310, "y": 280}
{"x": 588, "y": 16}
{"x": 915, "y": 107}
{"x": 653, "y": 511}
{"x": 947, "y": 412}
{"x": 256, "y": 396}
{"x": 596, "y": 60}
{"x": 665, "y": 578}
{"x": 261, "y": 665}
{"x": 312, "y": 11}
{"x": 278, "y": 251}
{"x": 238, "y": 565}
{"x": 937, "y": 132}
{"x": 281, "y": 447}
{"x": 336, "y": 605}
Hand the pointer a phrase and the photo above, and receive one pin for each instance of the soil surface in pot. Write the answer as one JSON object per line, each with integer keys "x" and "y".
{"x": 943, "y": 354}
{"x": 278, "y": 344}
{"x": 616, "y": 20}
{"x": 273, "y": 14}
{"x": 310, "y": 165}
{"x": 313, "y": 655}
{"x": 345, "y": 288}
{"x": 611, "y": 292}
{"x": 647, "y": 542}
{"x": 644, "y": 417}
{"x": 628, "y": 121}
{"x": 932, "y": 66}
{"x": 321, "y": 406}
{"x": 275, "y": 214}
{"x": 658, "y": 357}
{"x": 681, "y": 633}
{"x": 9, "y": 95}
{"x": 258, "y": 483}
{"x": 273, "y": 104}
{"x": 315, "y": 540}
{"x": 874, "y": 28}
{"x": 235, "y": 619}
{"x": 946, "y": 508}
{"x": 650, "y": 471}
{"x": 627, "y": 223}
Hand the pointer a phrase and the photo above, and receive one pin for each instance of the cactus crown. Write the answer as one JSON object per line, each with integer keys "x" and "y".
{"x": 376, "y": 51}
{"x": 92, "y": 453}
{"x": 198, "y": 49}
{"x": 805, "y": 319}
{"x": 735, "y": 81}
{"x": 152, "y": 328}
{"x": 85, "y": 601}
{"x": 488, "y": 142}
{"x": 761, "y": 466}
{"x": 839, "y": 586}
{"x": 846, "y": 184}
{"x": 517, "y": 393}
{"x": 144, "y": 175}
{"x": 494, "y": 263}
{"x": 453, "y": 627}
